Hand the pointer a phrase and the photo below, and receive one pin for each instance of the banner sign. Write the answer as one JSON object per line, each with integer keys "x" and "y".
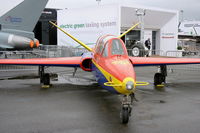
{"x": 190, "y": 28}
{"x": 87, "y": 25}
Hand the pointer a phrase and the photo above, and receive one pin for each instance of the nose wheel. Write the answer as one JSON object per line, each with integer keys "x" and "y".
{"x": 124, "y": 115}
{"x": 126, "y": 108}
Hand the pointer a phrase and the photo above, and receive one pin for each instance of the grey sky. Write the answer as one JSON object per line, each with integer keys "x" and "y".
{"x": 191, "y": 8}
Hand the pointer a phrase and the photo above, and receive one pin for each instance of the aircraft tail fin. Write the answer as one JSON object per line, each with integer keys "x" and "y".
{"x": 75, "y": 39}
{"x": 24, "y": 16}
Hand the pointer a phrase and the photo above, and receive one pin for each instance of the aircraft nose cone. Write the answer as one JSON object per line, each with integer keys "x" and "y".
{"x": 129, "y": 84}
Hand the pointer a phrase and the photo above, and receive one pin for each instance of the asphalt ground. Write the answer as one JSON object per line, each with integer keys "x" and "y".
{"x": 78, "y": 105}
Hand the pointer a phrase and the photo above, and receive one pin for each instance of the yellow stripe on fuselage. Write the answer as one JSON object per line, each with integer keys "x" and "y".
{"x": 108, "y": 76}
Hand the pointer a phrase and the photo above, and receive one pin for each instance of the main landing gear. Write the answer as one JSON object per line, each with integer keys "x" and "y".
{"x": 160, "y": 78}
{"x": 44, "y": 78}
{"x": 126, "y": 108}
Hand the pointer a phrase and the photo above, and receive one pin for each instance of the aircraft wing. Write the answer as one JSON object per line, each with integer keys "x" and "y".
{"x": 62, "y": 61}
{"x": 150, "y": 61}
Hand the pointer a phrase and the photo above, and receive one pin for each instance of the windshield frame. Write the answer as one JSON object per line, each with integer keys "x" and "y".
{"x": 116, "y": 47}
{"x": 125, "y": 54}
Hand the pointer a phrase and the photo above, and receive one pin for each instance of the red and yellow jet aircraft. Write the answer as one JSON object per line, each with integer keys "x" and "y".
{"x": 110, "y": 64}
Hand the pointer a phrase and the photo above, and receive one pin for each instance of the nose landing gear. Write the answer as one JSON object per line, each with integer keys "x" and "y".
{"x": 126, "y": 108}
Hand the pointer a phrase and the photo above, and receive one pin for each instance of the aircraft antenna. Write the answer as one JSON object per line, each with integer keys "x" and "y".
{"x": 129, "y": 30}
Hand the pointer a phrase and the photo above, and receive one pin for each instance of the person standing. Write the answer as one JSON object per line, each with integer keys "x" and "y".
{"x": 148, "y": 43}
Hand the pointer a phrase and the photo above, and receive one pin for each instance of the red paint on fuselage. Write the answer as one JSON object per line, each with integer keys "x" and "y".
{"x": 117, "y": 64}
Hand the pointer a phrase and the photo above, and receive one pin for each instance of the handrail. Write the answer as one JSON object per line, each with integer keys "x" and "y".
{"x": 139, "y": 83}
{"x": 112, "y": 84}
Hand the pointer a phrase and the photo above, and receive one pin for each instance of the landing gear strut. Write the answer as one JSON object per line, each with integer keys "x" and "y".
{"x": 44, "y": 78}
{"x": 126, "y": 108}
{"x": 160, "y": 78}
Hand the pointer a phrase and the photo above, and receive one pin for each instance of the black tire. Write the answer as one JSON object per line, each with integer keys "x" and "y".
{"x": 46, "y": 79}
{"x": 124, "y": 115}
{"x": 158, "y": 79}
{"x": 138, "y": 50}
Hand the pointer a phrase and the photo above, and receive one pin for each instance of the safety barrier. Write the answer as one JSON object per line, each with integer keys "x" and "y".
{"x": 181, "y": 53}
{"x": 44, "y": 52}
{"x": 157, "y": 53}
{"x": 48, "y": 51}
{"x": 62, "y": 51}
{"x": 145, "y": 53}
{"x": 22, "y": 54}
{"x": 153, "y": 53}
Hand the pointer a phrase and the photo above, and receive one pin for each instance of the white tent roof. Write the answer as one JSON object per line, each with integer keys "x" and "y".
{"x": 154, "y": 18}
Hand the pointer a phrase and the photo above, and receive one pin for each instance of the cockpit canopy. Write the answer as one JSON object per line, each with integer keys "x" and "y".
{"x": 116, "y": 47}
{"x": 110, "y": 46}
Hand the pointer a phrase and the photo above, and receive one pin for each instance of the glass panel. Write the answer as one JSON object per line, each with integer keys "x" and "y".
{"x": 117, "y": 48}
{"x": 99, "y": 47}
{"x": 105, "y": 51}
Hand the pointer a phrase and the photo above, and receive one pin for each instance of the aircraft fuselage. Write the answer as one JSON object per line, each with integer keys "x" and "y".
{"x": 112, "y": 67}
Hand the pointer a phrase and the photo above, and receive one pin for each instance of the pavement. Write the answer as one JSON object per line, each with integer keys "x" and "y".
{"x": 86, "y": 108}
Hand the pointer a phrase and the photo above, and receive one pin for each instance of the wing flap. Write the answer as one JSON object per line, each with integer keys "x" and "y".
{"x": 150, "y": 61}
{"x": 64, "y": 61}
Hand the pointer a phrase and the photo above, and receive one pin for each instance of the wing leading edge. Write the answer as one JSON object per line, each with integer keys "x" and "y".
{"x": 150, "y": 61}
{"x": 64, "y": 61}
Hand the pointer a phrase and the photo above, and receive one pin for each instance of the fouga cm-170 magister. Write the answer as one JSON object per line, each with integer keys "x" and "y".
{"x": 110, "y": 64}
